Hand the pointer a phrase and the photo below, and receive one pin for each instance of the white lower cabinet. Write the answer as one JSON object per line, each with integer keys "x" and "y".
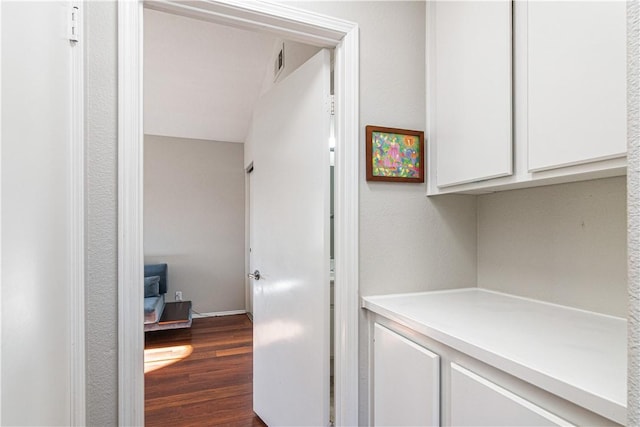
{"x": 472, "y": 357}
{"x": 408, "y": 390}
{"x": 407, "y": 381}
{"x": 476, "y": 401}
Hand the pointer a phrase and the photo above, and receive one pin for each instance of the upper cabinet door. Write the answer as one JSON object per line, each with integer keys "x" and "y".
{"x": 470, "y": 90}
{"x": 576, "y": 82}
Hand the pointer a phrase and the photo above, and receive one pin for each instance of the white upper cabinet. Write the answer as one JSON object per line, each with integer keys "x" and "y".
{"x": 470, "y": 89}
{"x": 524, "y": 93}
{"x": 576, "y": 82}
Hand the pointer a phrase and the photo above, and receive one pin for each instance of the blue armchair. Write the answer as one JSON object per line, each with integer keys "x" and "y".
{"x": 155, "y": 288}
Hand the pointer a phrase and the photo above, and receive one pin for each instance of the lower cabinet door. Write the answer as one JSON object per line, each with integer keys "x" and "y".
{"x": 406, "y": 383}
{"x": 475, "y": 401}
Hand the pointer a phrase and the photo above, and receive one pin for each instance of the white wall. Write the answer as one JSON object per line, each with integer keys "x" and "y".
{"x": 563, "y": 243}
{"x": 36, "y": 135}
{"x": 194, "y": 219}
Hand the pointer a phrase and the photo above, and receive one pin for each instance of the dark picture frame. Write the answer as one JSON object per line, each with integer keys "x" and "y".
{"x": 394, "y": 155}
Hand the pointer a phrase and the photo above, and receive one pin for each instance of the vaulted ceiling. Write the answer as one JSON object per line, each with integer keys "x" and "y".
{"x": 201, "y": 80}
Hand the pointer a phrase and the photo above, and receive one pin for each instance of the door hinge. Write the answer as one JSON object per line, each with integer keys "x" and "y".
{"x": 74, "y": 24}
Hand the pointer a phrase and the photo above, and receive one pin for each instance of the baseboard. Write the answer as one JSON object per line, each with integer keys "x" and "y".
{"x": 218, "y": 313}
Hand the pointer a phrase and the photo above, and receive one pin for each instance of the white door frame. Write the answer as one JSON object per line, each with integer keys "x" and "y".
{"x": 289, "y": 23}
{"x": 77, "y": 224}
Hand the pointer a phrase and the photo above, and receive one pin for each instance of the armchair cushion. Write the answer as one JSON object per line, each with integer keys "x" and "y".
{"x": 157, "y": 270}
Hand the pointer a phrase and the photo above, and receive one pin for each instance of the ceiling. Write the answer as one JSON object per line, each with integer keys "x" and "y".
{"x": 196, "y": 84}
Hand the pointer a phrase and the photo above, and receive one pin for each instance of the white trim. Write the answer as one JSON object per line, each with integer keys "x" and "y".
{"x": 280, "y": 20}
{"x": 633, "y": 213}
{"x": 130, "y": 252}
{"x": 76, "y": 230}
{"x": 346, "y": 304}
{"x": 286, "y": 22}
{"x": 218, "y": 313}
{"x": 1, "y": 341}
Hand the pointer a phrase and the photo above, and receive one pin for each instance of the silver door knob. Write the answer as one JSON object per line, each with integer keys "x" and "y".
{"x": 255, "y": 275}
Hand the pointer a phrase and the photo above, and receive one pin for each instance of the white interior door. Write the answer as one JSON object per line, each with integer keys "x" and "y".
{"x": 289, "y": 142}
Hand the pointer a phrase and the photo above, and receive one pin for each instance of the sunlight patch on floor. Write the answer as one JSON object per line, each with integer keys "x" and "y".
{"x": 158, "y": 358}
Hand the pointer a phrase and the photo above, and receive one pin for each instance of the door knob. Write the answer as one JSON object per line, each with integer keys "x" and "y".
{"x": 255, "y": 275}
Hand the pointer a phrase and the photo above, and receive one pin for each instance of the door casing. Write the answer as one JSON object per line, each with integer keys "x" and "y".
{"x": 289, "y": 23}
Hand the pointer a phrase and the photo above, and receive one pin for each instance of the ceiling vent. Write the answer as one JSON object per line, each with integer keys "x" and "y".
{"x": 278, "y": 64}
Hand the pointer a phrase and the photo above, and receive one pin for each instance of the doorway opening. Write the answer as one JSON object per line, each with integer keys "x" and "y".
{"x": 194, "y": 164}
{"x": 288, "y": 23}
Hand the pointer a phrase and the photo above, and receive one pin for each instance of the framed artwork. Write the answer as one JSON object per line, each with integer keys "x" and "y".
{"x": 395, "y": 155}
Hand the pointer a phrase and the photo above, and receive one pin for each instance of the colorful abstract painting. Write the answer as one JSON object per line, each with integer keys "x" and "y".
{"x": 395, "y": 155}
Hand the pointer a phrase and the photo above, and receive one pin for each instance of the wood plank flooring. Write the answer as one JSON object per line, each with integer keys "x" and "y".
{"x": 201, "y": 376}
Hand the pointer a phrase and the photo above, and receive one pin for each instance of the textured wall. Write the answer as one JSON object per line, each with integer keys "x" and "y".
{"x": 566, "y": 244}
{"x": 101, "y": 214}
{"x": 194, "y": 218}
{"x": 633, "y": 194}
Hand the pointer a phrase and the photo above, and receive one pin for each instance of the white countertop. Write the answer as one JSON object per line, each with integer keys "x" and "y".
{"x": 578, "y": 355}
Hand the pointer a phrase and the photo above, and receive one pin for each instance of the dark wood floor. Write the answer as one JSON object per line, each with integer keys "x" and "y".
{"x": 207, "y": 380}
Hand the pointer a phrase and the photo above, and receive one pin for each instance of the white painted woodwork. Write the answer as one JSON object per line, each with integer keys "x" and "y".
{"x": 346, "y": 89}
{"x": 576, "y": 82}
{"x": 591, "y": 166}
{"x": 42, "y": 199}
{"x": 406, "y": 381}
{"x": 289, "y": 232}
{"x": 292, "y": 24}
{"x": 475, "y": 401}
{"x": 577, "y": 355}
{"x": 77, "y": 221}
{"x": 471, "y": 80}
{"x": 1, "y": 222}
{"x": 130, "y": 215}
